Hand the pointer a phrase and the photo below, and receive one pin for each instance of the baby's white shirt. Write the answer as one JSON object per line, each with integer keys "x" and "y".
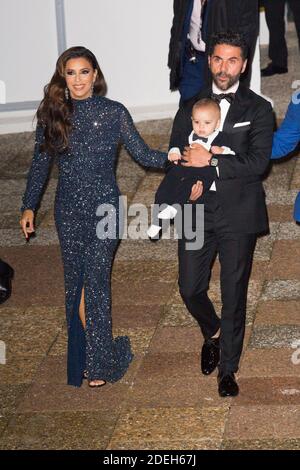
{"x": 207, "y": 145}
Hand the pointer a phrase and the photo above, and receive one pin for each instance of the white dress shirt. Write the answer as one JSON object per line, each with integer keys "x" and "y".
{"x": 210, "y": 139}
{"x": 195, "y": 27}
{"x": 224, "y": 105}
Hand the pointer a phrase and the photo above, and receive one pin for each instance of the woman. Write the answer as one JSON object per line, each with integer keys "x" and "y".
{"x": 82, "y": 130}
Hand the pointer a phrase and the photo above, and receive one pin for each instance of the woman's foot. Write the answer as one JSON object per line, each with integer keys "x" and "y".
{"x": 96, "y": 383}
{"x": 93, "y": 383}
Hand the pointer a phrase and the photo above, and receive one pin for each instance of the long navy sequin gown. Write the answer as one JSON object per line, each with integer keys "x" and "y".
{"x": 86, "y": 180}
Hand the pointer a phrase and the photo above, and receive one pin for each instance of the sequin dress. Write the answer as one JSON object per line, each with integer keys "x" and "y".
{"x": 87, "y": 181}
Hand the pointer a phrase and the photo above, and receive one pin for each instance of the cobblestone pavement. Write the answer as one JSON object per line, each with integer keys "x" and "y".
{"x": 163, "y": 402}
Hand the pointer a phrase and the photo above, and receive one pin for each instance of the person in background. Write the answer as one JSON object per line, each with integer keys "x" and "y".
{"x": 287, "y": 137}
{"x": 194, "y": 22}
{"x": 275, "y": 18}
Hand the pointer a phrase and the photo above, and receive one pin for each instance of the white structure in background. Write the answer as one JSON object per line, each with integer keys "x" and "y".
{"x": 262, "y": 41}
{"x": 129, "y": 38}
{"x": 263, "y": 29}
{"x": 255, "y": 83}
{"x": 2, "y": 92}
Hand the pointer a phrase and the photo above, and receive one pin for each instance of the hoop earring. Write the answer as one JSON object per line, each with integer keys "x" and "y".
{"x": 67, "y": 94}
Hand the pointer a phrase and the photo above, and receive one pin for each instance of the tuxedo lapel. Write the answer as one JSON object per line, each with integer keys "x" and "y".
{"x": 205, "y": 93}
{"x": 237, "y": 109}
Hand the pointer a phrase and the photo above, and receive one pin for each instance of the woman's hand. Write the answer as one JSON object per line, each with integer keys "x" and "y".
{"x": 197, "y": 190}
{"x": 26, "y": 222}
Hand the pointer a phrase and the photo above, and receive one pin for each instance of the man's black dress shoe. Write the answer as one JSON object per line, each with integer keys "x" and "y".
{"x": 210, "y": 355}
{"x": 227, "y": 385}
{"x": 272, "y": 70}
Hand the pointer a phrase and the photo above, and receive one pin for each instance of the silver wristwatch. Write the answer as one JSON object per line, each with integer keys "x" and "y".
{"x": 213, "y": 161}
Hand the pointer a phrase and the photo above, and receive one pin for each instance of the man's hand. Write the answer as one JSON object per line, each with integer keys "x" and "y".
{"x": 196, "y": 155}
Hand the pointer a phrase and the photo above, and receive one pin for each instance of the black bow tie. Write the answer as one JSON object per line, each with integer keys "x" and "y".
{"x": 223, "y": 96}
{"x": 197, "y": 137}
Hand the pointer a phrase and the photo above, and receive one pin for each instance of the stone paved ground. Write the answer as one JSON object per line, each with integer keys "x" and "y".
{"x": 163, "y": 402}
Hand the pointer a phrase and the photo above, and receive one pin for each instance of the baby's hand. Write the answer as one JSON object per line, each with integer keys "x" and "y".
{"x": 197, "y": 190}
{"x": 174, "y": 157}
{"x": 216, "y": 149}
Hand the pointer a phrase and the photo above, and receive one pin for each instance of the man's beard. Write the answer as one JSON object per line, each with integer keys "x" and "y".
{"x": 232, "y": 80}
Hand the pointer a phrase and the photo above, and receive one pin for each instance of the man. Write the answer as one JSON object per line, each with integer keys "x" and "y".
{"x": 275, "y": 18}
{"x": 234, "y": 208}
{"x": 194, "y": 23}
{"x": 287, "y": 137}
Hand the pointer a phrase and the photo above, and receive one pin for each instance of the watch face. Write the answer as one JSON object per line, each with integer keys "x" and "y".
{"x": 214, "y": 161}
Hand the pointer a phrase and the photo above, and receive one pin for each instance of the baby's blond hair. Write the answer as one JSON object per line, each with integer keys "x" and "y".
{"x": 207, "y": 103}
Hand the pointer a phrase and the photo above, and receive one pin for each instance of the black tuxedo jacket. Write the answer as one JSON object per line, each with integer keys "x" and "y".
{"x": 249, "y": 127}
{"x": 223, "y": 15}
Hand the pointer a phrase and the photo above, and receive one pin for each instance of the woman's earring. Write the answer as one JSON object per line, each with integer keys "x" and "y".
{"x": 67, "y": 93}
{"x": 92, "y": 89}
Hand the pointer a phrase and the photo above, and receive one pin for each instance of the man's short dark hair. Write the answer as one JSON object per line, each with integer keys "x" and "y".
{"x": 231, "y": 38}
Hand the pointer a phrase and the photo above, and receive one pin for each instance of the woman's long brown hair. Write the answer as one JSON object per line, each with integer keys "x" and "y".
{"x": 54, "y": 112}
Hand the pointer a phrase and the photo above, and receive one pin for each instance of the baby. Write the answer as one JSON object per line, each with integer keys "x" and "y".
{"x": 176, "y": 186}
